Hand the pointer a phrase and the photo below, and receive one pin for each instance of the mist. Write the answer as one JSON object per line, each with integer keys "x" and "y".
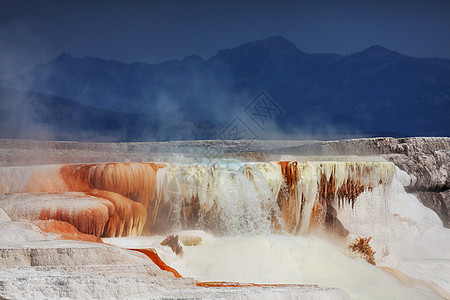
{"x": 148, "y": 72}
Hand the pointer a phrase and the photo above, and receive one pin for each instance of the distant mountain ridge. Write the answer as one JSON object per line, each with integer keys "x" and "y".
{"x": 374, "y": 91}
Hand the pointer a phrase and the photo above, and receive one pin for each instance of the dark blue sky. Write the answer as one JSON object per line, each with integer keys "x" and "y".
{"x": 32, "y": 32}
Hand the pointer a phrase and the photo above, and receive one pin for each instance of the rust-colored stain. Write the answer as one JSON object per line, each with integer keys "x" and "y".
{"x": 327, "y": 189}
{"x": 131, "y": 187}
{"x": 350, "y": 190}
{"x": 136, "y": 181}
{"x": 361, "y": 245}
{"x": 153, "y": 255}
{"x": 128, "y": 191}
{"x": 128, "y": 217}
{"x": 287, "y": 197}
{"x": 66, "y": 231}
{"x": 90, "y": 220}
{"x": 323, "y": 214}
{"x": 190, "y": 213}
{"x": 172, "y": 242}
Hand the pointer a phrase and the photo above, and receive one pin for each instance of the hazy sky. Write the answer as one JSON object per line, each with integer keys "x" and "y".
{"x": 33, "y": 32}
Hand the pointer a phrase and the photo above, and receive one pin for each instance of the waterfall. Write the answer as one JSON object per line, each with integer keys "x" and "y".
{"x": 270, "y": 222}
{"x": 224, "y": 198}
{"x": 255, "y": 198}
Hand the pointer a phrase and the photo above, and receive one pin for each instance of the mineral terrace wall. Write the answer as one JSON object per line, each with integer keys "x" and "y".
{"x": 425, "y": 159}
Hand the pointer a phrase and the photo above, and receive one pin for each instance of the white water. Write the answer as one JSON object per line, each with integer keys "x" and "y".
{"x": 241, "y": 205}
{"x": 241, "y": 198}
{"x": 405, "y": 235}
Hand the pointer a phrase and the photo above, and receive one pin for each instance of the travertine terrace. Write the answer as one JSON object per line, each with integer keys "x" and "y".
{"x": 58, "y": 199}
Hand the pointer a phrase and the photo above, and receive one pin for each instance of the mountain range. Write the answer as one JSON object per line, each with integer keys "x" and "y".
{"x": 374, "y": 92}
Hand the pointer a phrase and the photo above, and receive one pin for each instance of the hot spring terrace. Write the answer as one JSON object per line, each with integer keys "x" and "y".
{"x": 123, "y": 199}
{"x": 283, "y": 219}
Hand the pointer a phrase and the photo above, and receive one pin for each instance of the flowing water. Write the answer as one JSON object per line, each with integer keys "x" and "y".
{"x": 287, "y": 221}
{"x": 233, "y": 207}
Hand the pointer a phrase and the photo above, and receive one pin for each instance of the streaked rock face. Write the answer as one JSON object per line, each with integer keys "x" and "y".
{"x": 121, "y": 199}
{"x": 425, "y": 159}
{"x": 100, "y": 199}
{"x": 88, "y": 214}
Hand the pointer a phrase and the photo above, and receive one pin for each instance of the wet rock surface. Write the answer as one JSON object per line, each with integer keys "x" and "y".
{"x": 425, "y": 159}
{"x": 35, "y": 264}
{"x": 32, "y": 268}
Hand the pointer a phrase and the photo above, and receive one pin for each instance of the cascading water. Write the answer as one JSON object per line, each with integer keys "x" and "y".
{"x": 261, "y": 198}
{"x": 219, "y": 198}
{"x": 268, "y": 222}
